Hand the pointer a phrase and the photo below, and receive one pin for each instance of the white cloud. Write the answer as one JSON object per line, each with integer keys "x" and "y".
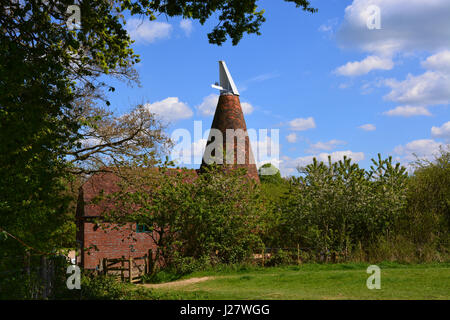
{"x": 247, "y": 108}
{"x": 339, "y": 155}
{"x": 329, "y": 27}
{"x": 442, "y": 132}
{"x": 368, "y": 127}
{"x": 144, "y": 31}
{"x": 408, "y": 111}
{"x": 438, "y": 62}
{"x": 186, "y": 152}
{"x": 406, "y": 26}
{"x": 424, "y": 149}
{"x": 265, "y": 150}
{"x": 288, "y": 166}
{"x": 302, "y": 124}
{"x": 429, "y": 88}
{"x": 187, "y": 27}
{"x": 292, "y": 138}
{"x": 170, "y": 109}
{"x": 264, "y": 77}
{"x": 325, "y": 28}
{"x": 243, "y": 86}
{"x": 325, "y": 146}
{"x": 359, "y": 68}
{"x": 209, "y": 105}
{"x": 345, "y": 85}
{"x": 198, "y": 148}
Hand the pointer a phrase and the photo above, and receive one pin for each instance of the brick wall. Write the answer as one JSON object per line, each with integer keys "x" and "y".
{"x": 112, "y": 244}
{"x": 229, "y": 115}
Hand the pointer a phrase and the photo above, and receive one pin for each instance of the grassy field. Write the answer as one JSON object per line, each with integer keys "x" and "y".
{"x": 314, "y": 281}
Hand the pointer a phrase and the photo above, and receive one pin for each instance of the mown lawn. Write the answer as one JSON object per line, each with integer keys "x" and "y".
{"x": 315, "y": 281}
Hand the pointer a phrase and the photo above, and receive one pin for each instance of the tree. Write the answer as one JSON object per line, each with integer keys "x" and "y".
{"x": 334, "y": 207}
{"x": 427, "y": 219}
{"x": 274, "y": 176}
{"x": 274, "y": 190}
{"x": 46, "y": 67}
{"x": 110, "y": 141}
{"x": 214, "y": 214}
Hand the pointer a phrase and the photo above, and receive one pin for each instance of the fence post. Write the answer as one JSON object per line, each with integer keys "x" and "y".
{"x": 298, "y": 254}
{"x": 263, "y": 256}
{"x": 145, "y": 264}
{"x": 360, "y": 251}
{"x": 122, "y": 266}
{"x": 150, "y": 261}
{"x": 28, "y": 264}
{"x": 51, "y": 275}
{"x": 44, "y": 276}
{"x": 105, "y": 266}
{"x": 130, "y": 269}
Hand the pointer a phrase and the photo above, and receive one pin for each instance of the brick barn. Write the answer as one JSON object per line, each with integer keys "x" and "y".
{"x": 133, "y": 240}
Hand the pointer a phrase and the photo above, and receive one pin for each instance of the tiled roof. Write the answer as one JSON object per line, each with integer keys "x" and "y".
{"x": 107, "y": 183}
{"x": 229, "y": 115}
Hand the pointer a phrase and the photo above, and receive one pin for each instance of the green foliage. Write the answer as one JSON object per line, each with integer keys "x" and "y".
{"x": 162, "y": 276}
{"x": 333, "y": 212}
{"x": 273, "y": 189}
{"x": 21, "y": 277}
{"x": 268, "y": 173}
{"x": 223, "y": 213}
{"x": 427, "y": 218}
{"x": 340, "y": 212}
{"x": 186, "y": 265}
{"x": 234, "y": 17}
{"x": 214, "y": 214}
{"x": 46, "y": 69}
{"x": 280, "y": 257}
{"x": 102, "y": 288}
{"x": 273, "y": 197}
{"x": 331, "y": 208}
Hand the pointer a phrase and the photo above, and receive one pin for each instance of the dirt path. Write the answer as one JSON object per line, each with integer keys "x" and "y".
{"x": 179, "y": 283}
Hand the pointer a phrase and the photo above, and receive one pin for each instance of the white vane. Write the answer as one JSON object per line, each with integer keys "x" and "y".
{"x": 226, "y": 81}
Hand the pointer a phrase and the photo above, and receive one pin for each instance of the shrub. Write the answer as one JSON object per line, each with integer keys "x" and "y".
{"x": 214, "y": 215}
{"x": 427, "y": 218}
{"x": 333, "y": 208}
{"x": 279, "y": 258}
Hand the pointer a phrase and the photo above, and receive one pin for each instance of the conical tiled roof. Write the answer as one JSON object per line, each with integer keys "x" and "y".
{"x": 228, "y": 116}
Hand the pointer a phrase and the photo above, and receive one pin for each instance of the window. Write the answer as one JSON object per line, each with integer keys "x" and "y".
{"x": 142, "y": 228}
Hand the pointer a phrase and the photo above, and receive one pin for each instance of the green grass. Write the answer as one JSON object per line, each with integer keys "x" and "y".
{"x": 314, "y": 281}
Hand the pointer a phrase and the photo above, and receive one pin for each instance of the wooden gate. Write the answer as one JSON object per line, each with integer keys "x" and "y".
{"x": 128, "y": 269}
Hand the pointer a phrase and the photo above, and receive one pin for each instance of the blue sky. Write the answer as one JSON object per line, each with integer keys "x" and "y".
{"x": 325, "y": 80}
